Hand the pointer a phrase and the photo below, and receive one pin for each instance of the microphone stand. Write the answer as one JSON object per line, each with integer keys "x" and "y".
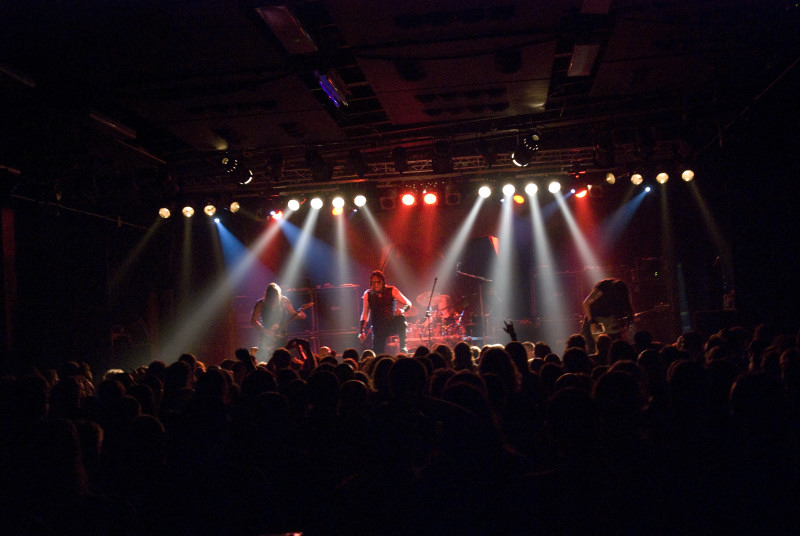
{"x": 428, "y": 311}
{"x": 481, "y": 281}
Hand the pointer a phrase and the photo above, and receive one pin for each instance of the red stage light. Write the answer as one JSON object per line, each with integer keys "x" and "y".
{"x": 430, "y": 198}
{"x": 408, "y": 199}
{"x": 581, "y": 194}
{"x": 277, "y": 214}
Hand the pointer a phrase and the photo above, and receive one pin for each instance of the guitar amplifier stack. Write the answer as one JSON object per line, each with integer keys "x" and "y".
{"x": 332, "y": 321}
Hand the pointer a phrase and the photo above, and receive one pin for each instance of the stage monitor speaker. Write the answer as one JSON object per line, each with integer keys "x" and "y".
{"x": 338, "y": 308}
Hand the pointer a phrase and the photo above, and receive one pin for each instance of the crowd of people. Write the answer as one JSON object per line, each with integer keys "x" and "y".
{"x": 694, "y": 436}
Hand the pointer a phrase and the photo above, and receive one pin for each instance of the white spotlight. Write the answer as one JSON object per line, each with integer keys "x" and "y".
{"x": 484, "y": 191}
{"x": 687, "y": 175}
{"x": 509, "y": 190}
{"x": 662, "y": 177}
{"x": 359, "y": 201}
{"x": 235, "y": 207}
{"x": 611, "y": 178}
{"x": 554, "y": 187}
{"x": 338, "y": 202}
{"x": 293, "y": 205}
{"x": 164, "y": 212}
{"x": 316, "y": 203}
{"x": 210, "y": 209}
{"x": 531, "y": 188}
{"x": 637, "y": 179}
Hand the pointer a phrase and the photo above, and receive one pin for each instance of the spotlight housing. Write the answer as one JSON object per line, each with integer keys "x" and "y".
{"x": 509, "y": 190}
{"x": 164, "y": 212}
{"x": 293, "y": 205}
{"x": 316, "y": 203}
{"x": 408, "y": 199}
{"x": 430, "y": 198}
{"x": 637, "y": 179}
{"x": 338, "y": 202}
{"x": 359, "y": 200}
{"x": 687, "y": 175}
{"x": 611, "y": 178}
{"x": 210, "y": 209}
{"x": 234, "y": 207}
{"x": 662, "y": 177}
{"x": 187, "y": 211}
{"x": 531, "y": 188}
{"x": 484, "y": 192}
{"x": 554, "y": 187}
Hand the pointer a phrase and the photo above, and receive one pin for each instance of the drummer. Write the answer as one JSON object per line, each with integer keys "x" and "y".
{"x": 446, "y": 312}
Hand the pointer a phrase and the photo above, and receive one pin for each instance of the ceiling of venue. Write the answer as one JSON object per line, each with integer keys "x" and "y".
{"x": 102, "y": 101}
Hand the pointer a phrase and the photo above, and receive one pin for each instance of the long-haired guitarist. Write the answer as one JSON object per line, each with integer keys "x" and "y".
{"x": 607, "y": 310}
{"x": 271, "y": 314}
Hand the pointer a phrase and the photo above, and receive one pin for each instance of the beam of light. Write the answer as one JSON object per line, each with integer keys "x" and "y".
{"x": 389, "y": 257}
{"x": 189, "y": 329}
{"x": 585, "y": 252}
{"x": 548, "y": 289}
{"x": 343, "y": 269}
{"x": 216, "y": 247}
{"x": 124, "y": 268}
{"x": 300, "y": 240}
{"x": 716, "y": 236}
{"x": 504, "y": 271}
{"x": 615, "y": 225}
{"x": 186, "y": 262}
{"x": 446, "y": 269}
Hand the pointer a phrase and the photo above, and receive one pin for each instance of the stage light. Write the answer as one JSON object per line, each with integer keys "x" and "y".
{"x": 637, "y": 179}
{"x": 518, "y": 199}
{"x": 611, "y": 178}
{"x": 430, "y": 198}
{"x": 508, "y": 190}
{"x": 531, "y": 188}
{"x": 234, "y": 207}
{"x": 338, "y": 202}
{"x": 647, "y": 189}
{"x": 164, "y": 212}
{"x": 216, "y": 220}
{"x": 316, "y": 203}
{"x": 293, "y": 205}
{"x": 687, "y": 175}
{"x": 359, "y": 201}
{"x": 408, "y": 199}
{"x": 337, "y": 211}
{"x": 662, "y": 178}
{"x": 581, "y": 194}
{"x": 187, "y": 211}
{"x": 276, "y": 214}
{"x": 554, "y": 187}
{"x": 484, "y": 192}
{"x": 210, "y": 209}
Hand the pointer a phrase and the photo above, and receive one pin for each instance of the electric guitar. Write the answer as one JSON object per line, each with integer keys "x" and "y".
{"x": 278, "y": 333}
{"x": 611, "y": 325}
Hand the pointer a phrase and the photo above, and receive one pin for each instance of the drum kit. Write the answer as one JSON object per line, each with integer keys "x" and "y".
{"x": 447, "y": 322}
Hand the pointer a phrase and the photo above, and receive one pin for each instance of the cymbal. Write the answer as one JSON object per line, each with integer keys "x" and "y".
{"x": 425, "y": 297}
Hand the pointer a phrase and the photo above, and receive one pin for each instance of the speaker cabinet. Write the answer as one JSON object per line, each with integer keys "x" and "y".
{"x": 338, "y": 309}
